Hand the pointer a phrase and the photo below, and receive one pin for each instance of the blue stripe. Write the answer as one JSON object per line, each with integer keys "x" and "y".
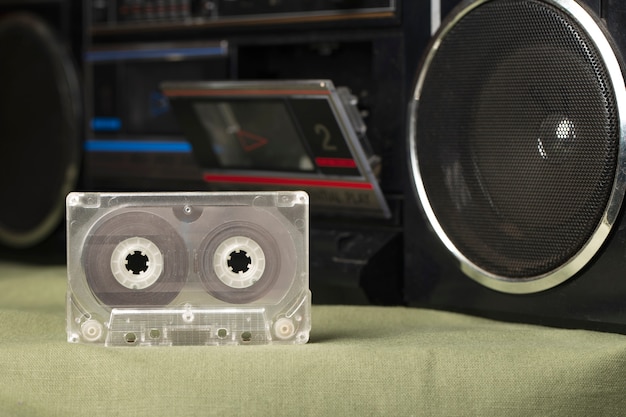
{"x": 163, "y": 53}
{"x": 106, "y": 124}
{"x": 115, "y": 145}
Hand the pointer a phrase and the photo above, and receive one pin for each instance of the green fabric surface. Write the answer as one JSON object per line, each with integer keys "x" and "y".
{"x": 360, "y": 361}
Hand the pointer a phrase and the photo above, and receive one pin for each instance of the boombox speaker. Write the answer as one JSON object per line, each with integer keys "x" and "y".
{"x": 40, "y": 116}
{"x": 517, "y": 162}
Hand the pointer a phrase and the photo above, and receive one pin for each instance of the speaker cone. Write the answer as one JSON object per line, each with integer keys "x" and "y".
{"x": 517, "y": 140}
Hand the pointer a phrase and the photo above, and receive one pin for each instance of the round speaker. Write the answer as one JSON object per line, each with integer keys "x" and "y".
{"x": 516, "y": 140}
{"x": 40, "y": 129}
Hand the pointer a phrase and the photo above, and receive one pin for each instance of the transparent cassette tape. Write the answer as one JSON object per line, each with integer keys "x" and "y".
{"x": 152, "y": 269}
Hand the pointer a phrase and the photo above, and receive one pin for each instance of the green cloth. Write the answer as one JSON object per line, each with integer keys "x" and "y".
{"x": 360, "y": 361}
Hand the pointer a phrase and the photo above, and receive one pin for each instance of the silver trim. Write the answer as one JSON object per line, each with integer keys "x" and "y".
{"x": 596, "y": 34}
{"x": 435, "y": 16}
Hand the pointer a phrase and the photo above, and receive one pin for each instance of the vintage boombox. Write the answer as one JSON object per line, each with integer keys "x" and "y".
{"x": 488, "y": 179}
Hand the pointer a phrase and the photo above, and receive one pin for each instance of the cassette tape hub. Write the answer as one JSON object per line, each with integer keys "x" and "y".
{"x": 149, "y": 269}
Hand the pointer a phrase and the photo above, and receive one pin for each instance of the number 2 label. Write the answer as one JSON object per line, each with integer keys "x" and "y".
{"x": 327, "y": 141}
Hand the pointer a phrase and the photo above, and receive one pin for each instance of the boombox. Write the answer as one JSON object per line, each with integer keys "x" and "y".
{"x": 487, "y": 178}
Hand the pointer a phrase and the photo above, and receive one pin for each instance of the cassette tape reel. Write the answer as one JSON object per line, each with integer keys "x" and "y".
{"x": 149, "y": 269}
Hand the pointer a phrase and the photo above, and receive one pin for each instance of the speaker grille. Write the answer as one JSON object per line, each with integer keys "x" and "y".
{"x": 516, "y": 137}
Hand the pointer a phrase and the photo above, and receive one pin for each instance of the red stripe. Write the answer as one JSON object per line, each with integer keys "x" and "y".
{"x": 221, "y": 93}
{"x": 291, "y": 182}
{"x": 335, "y": 162}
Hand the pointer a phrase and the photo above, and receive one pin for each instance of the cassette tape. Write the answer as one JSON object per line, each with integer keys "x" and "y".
{"x": 218, "y": 268}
